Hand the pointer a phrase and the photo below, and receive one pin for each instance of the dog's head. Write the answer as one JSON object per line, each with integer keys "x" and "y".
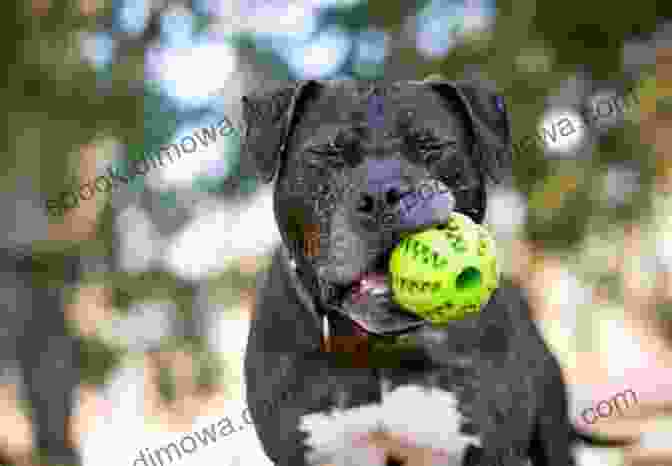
{"x": 358, "y": 164}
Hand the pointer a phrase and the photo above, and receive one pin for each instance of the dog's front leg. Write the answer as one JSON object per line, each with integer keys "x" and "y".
{"x": 306, "y": 382}
{"x": 552, "y": 442}
{"x": 288, "y": 375}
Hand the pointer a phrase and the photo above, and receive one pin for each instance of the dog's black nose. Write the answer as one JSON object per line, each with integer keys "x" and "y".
{"x": 387, "y": 198}
{"x": 379, "y": 187}
{"x": 372, "y": 202}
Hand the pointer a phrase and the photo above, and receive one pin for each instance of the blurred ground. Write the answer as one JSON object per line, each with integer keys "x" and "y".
{"x": 113, "y": 423}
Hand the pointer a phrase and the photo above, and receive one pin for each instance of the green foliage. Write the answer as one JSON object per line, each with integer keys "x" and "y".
{"x": 121, "y": 300}
{"x": 97, "y": 359}
{"x": 167, "y": 385}
{"x": 594, "y": 32}
{"x": 54, "y": 101}
{"x": 664, "y": 310}
{"x": 209, "y": 369}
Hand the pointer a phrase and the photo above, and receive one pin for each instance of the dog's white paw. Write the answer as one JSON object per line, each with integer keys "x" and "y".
{"x": 425, "y": 420}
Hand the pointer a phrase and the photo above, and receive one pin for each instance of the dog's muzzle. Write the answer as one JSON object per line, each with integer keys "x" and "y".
{"x": 367, "y": 303}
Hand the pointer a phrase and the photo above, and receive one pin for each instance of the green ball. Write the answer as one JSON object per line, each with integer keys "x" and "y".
{"x": 445, "y": 272}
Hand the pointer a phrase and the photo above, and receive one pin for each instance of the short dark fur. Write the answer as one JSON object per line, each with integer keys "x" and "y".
{"x": 318, "y": 140}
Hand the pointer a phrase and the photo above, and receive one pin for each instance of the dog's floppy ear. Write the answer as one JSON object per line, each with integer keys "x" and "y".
{"x": 487, "y": 113}
{"x": 268, "y": 120}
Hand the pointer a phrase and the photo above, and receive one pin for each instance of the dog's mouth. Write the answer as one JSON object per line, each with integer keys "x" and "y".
{"x": 369, "y": 302}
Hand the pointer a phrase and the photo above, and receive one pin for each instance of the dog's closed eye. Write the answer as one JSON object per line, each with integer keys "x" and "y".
{"x": 334, "y": 152}
{"x": 329, "y": 154}
{"x": 430, "y": 147}
{"x": 328, "y": 149}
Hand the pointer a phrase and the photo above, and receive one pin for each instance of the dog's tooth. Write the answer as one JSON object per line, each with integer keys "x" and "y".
{"x": 380, "y": 291}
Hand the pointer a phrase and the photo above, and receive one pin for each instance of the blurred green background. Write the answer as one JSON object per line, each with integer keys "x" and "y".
{"x": 92, "y": 83}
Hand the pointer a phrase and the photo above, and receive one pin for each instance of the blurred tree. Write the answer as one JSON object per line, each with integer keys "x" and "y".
{"x": 59, "y": 97}
{"x": 52, "y": 94}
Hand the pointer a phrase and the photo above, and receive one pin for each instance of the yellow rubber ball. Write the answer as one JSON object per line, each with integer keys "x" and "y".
{"x": 445, "y": 272}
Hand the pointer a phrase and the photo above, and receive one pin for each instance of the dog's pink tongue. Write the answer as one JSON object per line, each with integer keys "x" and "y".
{"x": 368, "y": 287}
{"x": 372, "y": 283}
{"x": 370, "y": 304}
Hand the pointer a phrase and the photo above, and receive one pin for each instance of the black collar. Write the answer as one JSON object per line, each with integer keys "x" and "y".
{"x": 302, "y": 293}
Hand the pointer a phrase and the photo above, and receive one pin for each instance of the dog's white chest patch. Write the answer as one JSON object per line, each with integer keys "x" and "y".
{"x": 428, "y": 414}
{"x": 424, "y": 420}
